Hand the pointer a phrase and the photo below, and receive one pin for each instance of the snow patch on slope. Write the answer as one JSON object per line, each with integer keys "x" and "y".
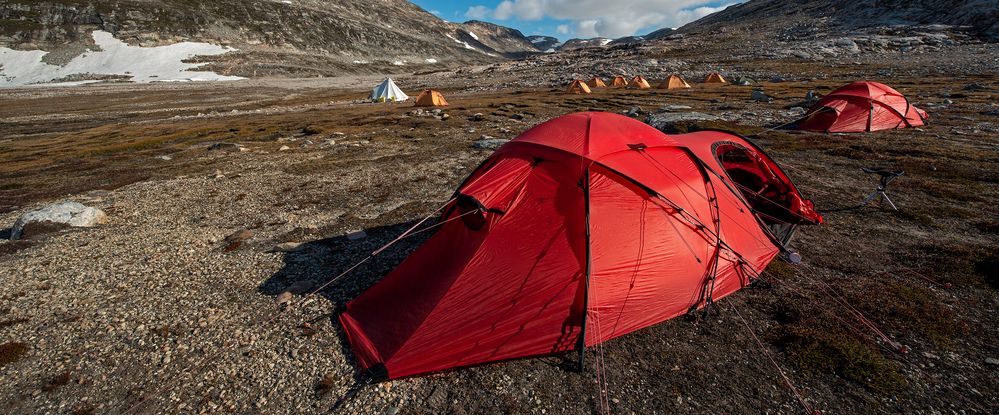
{"x": 161, "y": 63}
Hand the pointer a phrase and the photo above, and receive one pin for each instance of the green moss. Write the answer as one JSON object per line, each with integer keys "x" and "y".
{"x": 824, "y": 351}
{"x": 780, "y": 270}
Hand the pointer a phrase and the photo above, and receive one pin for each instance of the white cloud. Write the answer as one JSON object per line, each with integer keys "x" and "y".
{"x": 562, "y": 29}
{"x": 477, "y": 12}
{"x": 592, "y": 18}
{"x": 435, "y": 12}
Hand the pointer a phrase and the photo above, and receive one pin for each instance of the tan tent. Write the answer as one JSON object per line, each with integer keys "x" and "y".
{"x": 579, "y": 87}
{"x": 714, "y": 78}
{"x": 619, "y": 81}
{"x": 639, "y": 83}
{"x": 674, "y": 82}
{"x": 597, "y": 82}
{"x": 431, "y": 98}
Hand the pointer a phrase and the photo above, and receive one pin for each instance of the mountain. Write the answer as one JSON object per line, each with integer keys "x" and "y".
{"x": 500, "y": 39}
{"x": 775, "y": 15}
{"x": 273, "y": 37}
{"x": 573, "y": 44}
{"x": 545, "y": 43}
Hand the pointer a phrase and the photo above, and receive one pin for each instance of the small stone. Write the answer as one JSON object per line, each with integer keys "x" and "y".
{"x": 288, "y": 247}
{"x": 165, "y": 158}
{"x": 353, "y": 236}
{"x": 392, "y": 411}
{"x": 992, "y": 361}
{"x": 284, "y": 298}
{"x": 476, "y": 117}
{"x": 284, "y": 148}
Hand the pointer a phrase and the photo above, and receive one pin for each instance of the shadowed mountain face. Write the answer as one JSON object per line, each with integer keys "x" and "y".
{"x": 314, "y": 37}
{"x": 763, "y": 15}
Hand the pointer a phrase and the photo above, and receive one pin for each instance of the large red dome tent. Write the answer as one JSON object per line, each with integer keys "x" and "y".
{"x": 862, "y": 106}
{"x": 582, "y": 229}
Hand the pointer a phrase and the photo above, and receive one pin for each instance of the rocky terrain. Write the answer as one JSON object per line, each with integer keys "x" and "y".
{"x": 152, "y": 236}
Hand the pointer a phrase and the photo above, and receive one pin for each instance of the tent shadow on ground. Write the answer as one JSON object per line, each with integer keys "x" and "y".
{"x": 319, "y": 261}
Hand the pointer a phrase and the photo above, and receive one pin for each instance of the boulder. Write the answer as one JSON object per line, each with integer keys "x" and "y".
{"x": 72, "y": 214}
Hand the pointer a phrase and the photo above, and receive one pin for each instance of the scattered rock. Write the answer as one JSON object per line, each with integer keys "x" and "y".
{"x": 517, "y": 116}
{"x": 218, "y": 174}
{"x": 353, "y": 236}
{"x": 164, "y": 158}
{"x": 992, "y": 361}
{"x": 226, "y": 147}
{"x": 664, "y": 121}
{"x": 73, "y": 214}
{"x": 284, "y": 148}
{"x": 633, "y": 111}
{"x": 477, "y": 117}
{"x": 488, "y": 143}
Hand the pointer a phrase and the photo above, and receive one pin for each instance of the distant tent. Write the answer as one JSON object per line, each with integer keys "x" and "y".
{"x": 674, "y": 82}
{"x": 583, "y": 229}
{"x": 639, "y": 83}
{"x": 619, "y": 81}
{"x": 431, "y": 98}
{"x": 579, "y": 87}
{"x": 596, "y": 82}
{"x": 388, "y": 91}
{"x": 861, "y": 107}
{"x": 714, "y": 78}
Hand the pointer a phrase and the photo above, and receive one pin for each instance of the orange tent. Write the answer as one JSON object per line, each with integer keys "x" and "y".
{"x": 431, "y": 98}
{"x": 619, "y": 81}
{"x": 639, "y": 83}
{"x": 714, "y": 78}
{"x": 674, "y": 82}
{"x": 579, "y": 87}
{"x": 596, "y": 82}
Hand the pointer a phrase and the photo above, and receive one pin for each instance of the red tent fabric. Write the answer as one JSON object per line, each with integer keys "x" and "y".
{"x": 861, "y": 107}
{"x": 584, "y": 228}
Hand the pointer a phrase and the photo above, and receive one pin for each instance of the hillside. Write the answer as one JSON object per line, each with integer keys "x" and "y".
{"x": 771, "y": 15}
{"x": 500, "y": 39}
{"x": 300, "y": 38}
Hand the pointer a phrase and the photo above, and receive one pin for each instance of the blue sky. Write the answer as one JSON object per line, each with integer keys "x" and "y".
{"x": 566, "y": 19}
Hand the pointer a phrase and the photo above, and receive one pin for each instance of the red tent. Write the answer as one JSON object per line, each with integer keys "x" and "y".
{"x": 589, "y": 211}
{"x": 862, "y": 106}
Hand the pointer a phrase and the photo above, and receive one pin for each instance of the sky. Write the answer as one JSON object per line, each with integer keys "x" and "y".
{"x": 567, "y": 19}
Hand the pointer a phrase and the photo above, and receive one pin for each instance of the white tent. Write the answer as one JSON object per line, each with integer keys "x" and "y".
{"x": 388, "y": 91}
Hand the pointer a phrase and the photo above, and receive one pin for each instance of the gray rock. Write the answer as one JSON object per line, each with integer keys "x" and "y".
{"x": 992, "y": 361}
{"x": 284, "y": 148}
{"x": 226, "y": 147}
{"x": 477, "y": 117}
{"x": 67, "y": 213}
{"x": 633, "y": 111}
{"x": 489, "y": 143}
{"x": 759, "y": 96}
{"x": 353, "y": 236}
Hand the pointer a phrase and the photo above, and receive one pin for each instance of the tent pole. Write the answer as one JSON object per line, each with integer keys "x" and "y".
{"x": 581, "y": 344}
